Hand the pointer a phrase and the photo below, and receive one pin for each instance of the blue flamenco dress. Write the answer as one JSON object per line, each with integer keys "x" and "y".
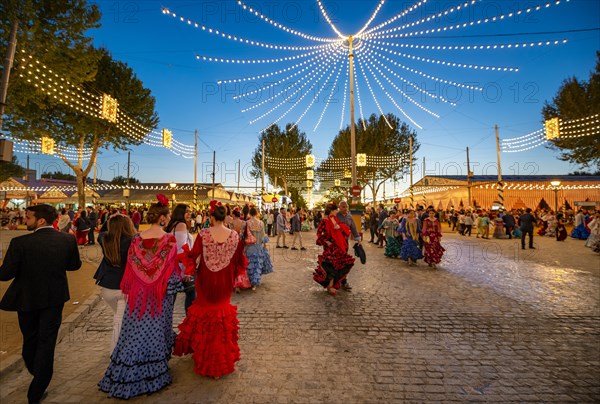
{"x": 259, "y": 260}
{"x": 139, "y": 362}
{"x": 581, "y": 231}
{"x": 410, "y": 247}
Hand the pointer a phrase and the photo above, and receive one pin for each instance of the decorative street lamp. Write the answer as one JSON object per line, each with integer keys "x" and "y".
{"x": 555, "y": 186}
{"x": 173, "y": 185}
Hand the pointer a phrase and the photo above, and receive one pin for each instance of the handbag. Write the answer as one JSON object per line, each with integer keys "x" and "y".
{"x": 249, "y": 239}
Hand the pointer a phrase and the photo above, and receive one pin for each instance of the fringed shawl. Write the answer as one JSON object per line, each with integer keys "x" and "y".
{"x": 150, "y": 264}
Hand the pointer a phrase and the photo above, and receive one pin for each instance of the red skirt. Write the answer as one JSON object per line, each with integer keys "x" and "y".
{"x": 210, "y": 334}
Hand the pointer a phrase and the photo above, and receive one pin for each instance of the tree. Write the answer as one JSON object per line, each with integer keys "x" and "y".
{"x": 297, "y": 199}
{"x": 59, "y": 175}
{"x": 375, "y": 138}
{"x": 287, "y": 144}
{"x": 70, "y": 128}
{"x": 10, "y": 169}
{"x": 577, "y": 99}
{"x": 120, "y": 180}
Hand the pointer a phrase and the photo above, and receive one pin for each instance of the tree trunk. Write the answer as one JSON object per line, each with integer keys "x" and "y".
{"x": 80, "y": 187}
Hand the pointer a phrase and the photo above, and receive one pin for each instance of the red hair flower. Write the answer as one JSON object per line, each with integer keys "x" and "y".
{"x": 213, "y": 205}
{"x": 162, "y": 199}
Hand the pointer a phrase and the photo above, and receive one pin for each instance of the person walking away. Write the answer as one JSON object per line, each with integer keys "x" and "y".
{"x": 210, "y": 329}
{"x": 259, "y": 261}
{"x": 281, "y": 227}
{"x": 64, "y": 221}
{"x": 139, "y": 363}
{"x": 526, "y": 222}
{"x": 178, "y": 226}
{"x": 92, "y": 216}
{"x": 270, "y": 220}
{"x": 509, "y": 224}
{"x": 561, "y": 230}
{"x": 136, "y": 218}
{"x": 296, "y": 229}
{"x": 484, "y": 225}
{"x": 82, "y": 228}
{"x": 373, "y": 218}
{"x": 37, "y": 264}
{"x": 115, "y": 244}
{"x": 468, "y": 223}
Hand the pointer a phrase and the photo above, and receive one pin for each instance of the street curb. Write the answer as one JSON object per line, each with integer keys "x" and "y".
{"x": 15, "y": 361}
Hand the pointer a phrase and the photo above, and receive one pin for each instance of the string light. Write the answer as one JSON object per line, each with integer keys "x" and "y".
{"x": 373, "y": 93}
{"x": 414, "y": 85}
{"x": 446, "y": 63}
{"x": 333, "y": 87}
{"x": 266, "y": 75}
{"x": 235, "y": 38}
{"x": 402, "y": 14}
{"x": 283, "y": 27}
{"x": 434, "y": 17}
{"x": 344, "y": 101}
{"x": 256, "y": 61}
{"x": 296, "y": 103}
{"x": 326, "y": 16}
{"x": 359, "y": 33}
{"x": 392, "y": 98}
{"x": 284, "y": 90}
{"x": 373, "y": 65}
{"x": 420, "y": 73}
{"x": 382, "y": 34}
{"x": 471, "y": 47}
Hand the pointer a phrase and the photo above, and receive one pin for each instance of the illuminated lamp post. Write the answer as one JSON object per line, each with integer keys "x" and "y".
{"x": 555, "y": 186}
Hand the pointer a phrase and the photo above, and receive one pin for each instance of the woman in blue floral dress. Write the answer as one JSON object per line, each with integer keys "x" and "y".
{"x": 257, "y": 254}
{"x": 410, "y": 228}
{"x": 139, "y": 362}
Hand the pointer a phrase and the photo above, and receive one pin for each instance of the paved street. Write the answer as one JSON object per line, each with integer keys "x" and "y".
{"x": 493, "y": 323}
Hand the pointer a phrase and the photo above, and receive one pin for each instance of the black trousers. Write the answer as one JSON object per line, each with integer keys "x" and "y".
{"x": 40, "y": 330}
{"x": 91, "y": 235}
{"x": 523, "y": 234}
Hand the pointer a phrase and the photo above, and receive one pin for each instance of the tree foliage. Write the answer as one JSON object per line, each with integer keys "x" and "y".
{"x": 59, "y": 175}
{"x": 288, "y": 143}
{"x": 53, "y": 33}
{"x": 375, "y": 138}
{"x": 120, "y": 180}
{"x": 10, "y": 169}
{"x": 577, "y": 99}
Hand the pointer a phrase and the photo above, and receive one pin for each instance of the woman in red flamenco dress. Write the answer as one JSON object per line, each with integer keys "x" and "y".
{"x": 432, "y": 234}
{"x": 210, "y": 330}
{"x": 335, "y": 263}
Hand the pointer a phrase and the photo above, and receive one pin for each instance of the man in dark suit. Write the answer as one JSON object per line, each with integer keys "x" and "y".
{"x": 38, "y": 263}
{"x": 526, "y": 222}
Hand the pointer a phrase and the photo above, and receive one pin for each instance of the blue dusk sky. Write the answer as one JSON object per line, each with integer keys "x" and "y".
{"x": 162, "y": 51}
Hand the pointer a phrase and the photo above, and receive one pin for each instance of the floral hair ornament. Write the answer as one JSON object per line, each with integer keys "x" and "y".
{"x": 162, "y": 200}
{"x": 212, "y": 205}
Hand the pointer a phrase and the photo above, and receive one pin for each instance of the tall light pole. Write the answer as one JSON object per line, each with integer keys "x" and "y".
{"x": 352, "y": 126}
{"x": 555, "y": 187}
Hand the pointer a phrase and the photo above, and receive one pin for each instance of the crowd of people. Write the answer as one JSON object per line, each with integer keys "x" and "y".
{"x": 141, "y": 273}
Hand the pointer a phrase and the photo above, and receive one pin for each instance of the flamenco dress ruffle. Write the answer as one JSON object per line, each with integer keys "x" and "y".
{"x": 210, "y": 334}
{"x": 259, "y": 263}
{"x": 139, "y": 362}
{"x": 561, "y": 233}
{"x": 433, "y": 250}
{"x": 580, "y": 232}
{"x": 333, "y": 264}
{"x": 392, "y": 247}
{"x": 410, "y": 249}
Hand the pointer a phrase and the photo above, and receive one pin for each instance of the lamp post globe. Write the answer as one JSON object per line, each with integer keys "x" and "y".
{"x": 555, "y": 184}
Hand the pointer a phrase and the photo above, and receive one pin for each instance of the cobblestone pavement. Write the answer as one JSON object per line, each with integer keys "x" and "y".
{"x": 493, "y": 323}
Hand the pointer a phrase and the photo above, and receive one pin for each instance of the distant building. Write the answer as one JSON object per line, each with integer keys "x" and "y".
{"x": 520, "y": 191}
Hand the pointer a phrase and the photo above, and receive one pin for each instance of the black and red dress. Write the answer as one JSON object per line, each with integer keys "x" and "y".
{"x": 335, "y": 263}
